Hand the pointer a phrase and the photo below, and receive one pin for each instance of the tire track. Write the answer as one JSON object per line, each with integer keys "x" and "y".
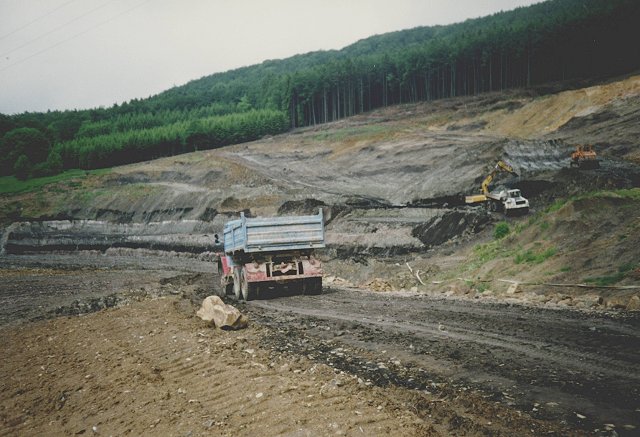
{"x": 523, "y": 355}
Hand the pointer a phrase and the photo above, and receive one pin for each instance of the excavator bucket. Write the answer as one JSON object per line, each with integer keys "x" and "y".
{"x": 475, "y": 198}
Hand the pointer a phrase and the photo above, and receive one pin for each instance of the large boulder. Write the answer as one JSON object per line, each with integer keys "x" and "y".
{"x": 215, "y": 311}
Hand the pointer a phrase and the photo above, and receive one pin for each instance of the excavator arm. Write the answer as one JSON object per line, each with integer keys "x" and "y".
{"x": 501, "y": 166}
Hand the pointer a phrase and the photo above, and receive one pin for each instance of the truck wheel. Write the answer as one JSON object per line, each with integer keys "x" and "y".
{"x": 226, "y": 288}
{"x": 244, "y": 285}
{"x": 312, "y": 286}
{"x": 237, "y": 283}
{"x": 248, "y": 288}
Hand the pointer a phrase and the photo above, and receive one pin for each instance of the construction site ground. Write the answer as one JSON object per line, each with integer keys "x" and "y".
{"x": 347, "y": 362}
{"x": 429, "y": 322}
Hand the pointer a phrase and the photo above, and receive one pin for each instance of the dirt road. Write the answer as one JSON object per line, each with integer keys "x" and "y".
{"x": 345, "y": 362}
{"x": 574, "y": 367}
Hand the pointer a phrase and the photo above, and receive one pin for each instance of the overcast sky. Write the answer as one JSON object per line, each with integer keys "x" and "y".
{"x": 78, "y": 54}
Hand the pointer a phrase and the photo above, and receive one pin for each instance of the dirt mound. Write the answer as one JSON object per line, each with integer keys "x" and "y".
{"x": 545, "y": 115}
{"x": 581, "y": 252}
{"x": 452, "y": 224}
{"x": 302, "y": 207}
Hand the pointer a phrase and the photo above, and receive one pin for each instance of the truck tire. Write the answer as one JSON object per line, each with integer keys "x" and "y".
{"x": 312, "y": 286}
{"x": 249, "y": 289}
{"x": 244, "y": 286}
{"x": 237, "y": 283}
{"x": 226, "y": 288}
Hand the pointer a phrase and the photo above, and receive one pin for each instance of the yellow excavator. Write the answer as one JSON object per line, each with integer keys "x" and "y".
{"x": 507, "y": 201}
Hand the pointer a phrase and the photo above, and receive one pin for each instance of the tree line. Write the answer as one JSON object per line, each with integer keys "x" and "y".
{"x": 555, "y": 40}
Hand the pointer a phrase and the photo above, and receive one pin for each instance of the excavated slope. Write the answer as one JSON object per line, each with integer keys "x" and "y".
{"x": 380, "y": 176}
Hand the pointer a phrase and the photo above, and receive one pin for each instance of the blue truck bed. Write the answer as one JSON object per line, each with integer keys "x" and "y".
{"x": 272, "y": 234}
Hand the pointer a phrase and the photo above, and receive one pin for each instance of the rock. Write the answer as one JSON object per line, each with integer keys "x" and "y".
{"x": 378, "y": 284}
{"x": 588, "y": 300}
{"x": 214, "y": 310}
{"x": 617, "y": 302}
{"x": 566, "y": 301}
{"x": 634, "y": 304}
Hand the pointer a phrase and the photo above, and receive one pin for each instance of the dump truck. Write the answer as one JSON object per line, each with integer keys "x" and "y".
{"x": 263, "y": 253}
{"x": 509, "y": 201}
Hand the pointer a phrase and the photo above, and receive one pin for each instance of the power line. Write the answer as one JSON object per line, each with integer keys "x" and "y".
{"x": 56, "y": 29}
{"x": 75, "y": 35}
{"x": 36, "y": 19}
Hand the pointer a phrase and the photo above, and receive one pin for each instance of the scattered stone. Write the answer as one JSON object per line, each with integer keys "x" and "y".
{"x": 214, "y": 310}
{"x": 580, "y": 416}
{"x": 634, "y": 304}
{"x": 378, "y": 284}
{"x": 617, "y": 302}
{"x": 259, "y": 395}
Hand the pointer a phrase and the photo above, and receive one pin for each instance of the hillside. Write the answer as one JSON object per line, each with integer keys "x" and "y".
{"x": 436, "y": 318}
{"x": 554, "y": 41}
{"x": 391, "y": 183}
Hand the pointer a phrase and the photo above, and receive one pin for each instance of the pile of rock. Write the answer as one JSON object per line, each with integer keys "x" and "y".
{"x": 217, "y": 313}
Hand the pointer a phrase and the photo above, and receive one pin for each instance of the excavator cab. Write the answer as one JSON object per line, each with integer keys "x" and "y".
{"x": 584, "y": 157}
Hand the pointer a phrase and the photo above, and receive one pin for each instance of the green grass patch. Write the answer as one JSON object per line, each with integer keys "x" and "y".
{"x": 556, "y": 205}
{"x": 481, "y": 287}
{"x": 605, "y": 280}
{"x": 612, "y": 278}
{"x": 534, "y": 257}
{"x": 501, "y": 230}
{"x": 490, "y": 251}
{"x": 626, "y": 193}
{"x": 350, "y": 133}
{"x": 11, "y": 185}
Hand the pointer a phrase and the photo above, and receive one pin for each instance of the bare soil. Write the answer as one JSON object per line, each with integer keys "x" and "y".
{"x": 347, "y": 362}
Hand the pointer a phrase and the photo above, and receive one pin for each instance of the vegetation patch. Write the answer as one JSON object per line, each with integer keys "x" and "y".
{"x": 534, "y": 257}
{"x": 501, "y": 230}
{"x": 490, "y": 251}
{"x": 351, "y": 133}
{"x": 625, "y": 193}
{"x": 612, "y": 278}
{"x": 12, "y": 185}
{"x": 555, "y": 206}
